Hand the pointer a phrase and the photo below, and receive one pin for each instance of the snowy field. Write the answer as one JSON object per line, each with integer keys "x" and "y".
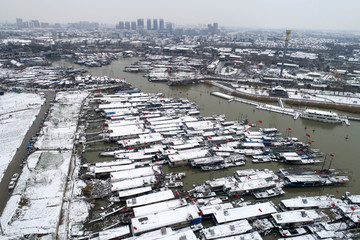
{"x": 17, "y": 113}
{"x": 37, "y": 201}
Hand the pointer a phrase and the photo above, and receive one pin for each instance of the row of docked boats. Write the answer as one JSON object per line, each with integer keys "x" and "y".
{"x": 151, "y": 131}
{"x": 166, "y": 214}
{"x": 94, "y": 59}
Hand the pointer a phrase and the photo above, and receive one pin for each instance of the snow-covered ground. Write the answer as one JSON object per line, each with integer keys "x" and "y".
{"x": 36, "y": 205}
{"x": 17, "y": 113}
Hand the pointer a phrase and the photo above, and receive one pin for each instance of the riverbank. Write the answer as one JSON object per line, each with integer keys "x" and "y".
{"x": 293, "y": 102}
{"x": 35, "y": 206}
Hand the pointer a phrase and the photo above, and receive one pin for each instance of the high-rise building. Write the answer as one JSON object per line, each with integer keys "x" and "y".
{"x": 133, "y": 25}
{"x": 140, "y": 24}
{"x": 19, "y": 22}
{"x": 148, "y": 24}
{"x": 213, "y": 28}
{"x": 44, "y": 25}
{"x": 162, "y": 26}
{"x": 169, "y": 27}
{"x": 155, "y": 24}
{"x": 121, "y": 25}
{"x": 35, "y": 23}
{"x": 127, "y": 25}
{"x": 216, "y": 27}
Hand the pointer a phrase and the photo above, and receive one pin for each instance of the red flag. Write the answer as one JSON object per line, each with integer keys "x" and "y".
{"x": 236, "y": 195}
{"x": 352, "y": 208}
{"x": 187, "y": 169}
{"x": 132, "y": 214}
{"x": 260, "y": 210}
{"x": 309, "y": 142}
{"x": 289, "y": 129}
{"x": 308, "y": 135}
{"x": 331, "y": 155}
{"x": 337, "y": 191}
{"x": 250, "y": 125}
{"x": 333, "y": 205}
{"x": 260, "y": 121}
{"x": 135, "y": 228}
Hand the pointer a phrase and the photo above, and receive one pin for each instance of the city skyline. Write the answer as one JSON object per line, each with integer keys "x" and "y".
{"x": 280, "y": 14}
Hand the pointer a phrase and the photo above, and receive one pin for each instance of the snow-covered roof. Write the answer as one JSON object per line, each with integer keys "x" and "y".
{"x": 296, "y": 216}
{"x": 107, "y": 169}
{"x": 133, "y": 183}
{"x": 211, "y": 209}
{"x": 150, "y": 198}
{"x": 134, "y": 191}
{"x": 251, "y": 211}
{"x": 227, "y": 229}
{"x": 247, "y": 236}
{"x": 114, "y": 233}
{"x": 158, "y": 207}
{"x": 309, "y": 202}
{"x": 162, "y": 219}
{"x": 131, "y": 173}
{"x": 188, "y": 154}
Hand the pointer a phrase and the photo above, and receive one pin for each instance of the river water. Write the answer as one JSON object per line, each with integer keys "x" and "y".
{"x": 338, "y": 139}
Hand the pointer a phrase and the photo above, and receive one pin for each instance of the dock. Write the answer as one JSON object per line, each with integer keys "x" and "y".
{"x": 276, "y": 109}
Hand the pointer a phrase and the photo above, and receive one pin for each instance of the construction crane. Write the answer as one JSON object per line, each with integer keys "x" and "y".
{"x": 285, "y": 48}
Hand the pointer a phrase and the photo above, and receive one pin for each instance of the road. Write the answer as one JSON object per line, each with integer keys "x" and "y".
{"x": 14, "y": 166}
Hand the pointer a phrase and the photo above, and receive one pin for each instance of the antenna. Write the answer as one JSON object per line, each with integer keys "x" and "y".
{"x": 285, "y": 48}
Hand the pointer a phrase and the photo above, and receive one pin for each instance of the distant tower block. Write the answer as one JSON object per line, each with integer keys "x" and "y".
{"x": 285, "y": 48}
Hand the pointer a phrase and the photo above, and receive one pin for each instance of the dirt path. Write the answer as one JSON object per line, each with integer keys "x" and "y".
{"x": 14, "y": 165}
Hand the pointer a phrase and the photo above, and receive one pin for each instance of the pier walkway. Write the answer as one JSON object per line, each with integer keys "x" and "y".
{"x": 273, "y": 108}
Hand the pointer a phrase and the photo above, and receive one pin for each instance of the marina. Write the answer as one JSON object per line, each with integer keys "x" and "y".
{"x": 197, "y": 144}
{"x": 136, "y": 126}
{"x": 141, "y": 140}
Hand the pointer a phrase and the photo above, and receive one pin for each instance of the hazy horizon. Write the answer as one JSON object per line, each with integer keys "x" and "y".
{"x": 259, "y": 14}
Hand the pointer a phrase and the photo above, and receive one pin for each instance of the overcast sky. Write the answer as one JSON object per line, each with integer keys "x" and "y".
{"x": 280, "y": 14}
